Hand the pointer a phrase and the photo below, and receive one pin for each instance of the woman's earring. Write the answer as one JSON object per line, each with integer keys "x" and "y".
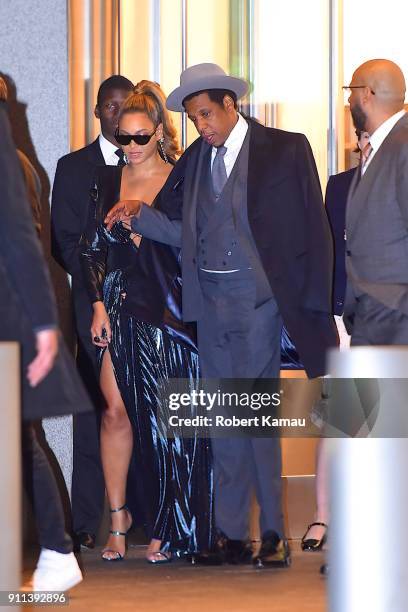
{"x": 125, "y": 159}
{"x": 163, "y": 152}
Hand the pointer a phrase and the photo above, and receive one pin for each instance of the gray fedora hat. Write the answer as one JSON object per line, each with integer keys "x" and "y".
{"x": 201, "y": 77}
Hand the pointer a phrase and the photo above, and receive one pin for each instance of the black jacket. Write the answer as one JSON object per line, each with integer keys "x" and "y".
{"x": 27, "y": 302}
{"x": 336, "y": 200}
{"x": 74, "y": 177}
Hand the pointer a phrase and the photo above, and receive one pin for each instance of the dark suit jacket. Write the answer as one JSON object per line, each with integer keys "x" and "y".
{"x": 336, "y": 200}
{"x": 69, "y": 210}
{"x": 26, "y": 299}
{"x": 377, "y": 230}
{"x": 289, "y": 225}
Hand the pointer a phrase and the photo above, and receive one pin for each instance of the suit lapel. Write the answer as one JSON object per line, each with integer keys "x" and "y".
{"x": 240, "y": 185}
{"x": 263, "y": 165}
{"x": 191, "y": 187}
{"x": 95, "y": 156}
{"x": 205, "y": 172}
{"x": 350, "y": 206}
{"x": 110, "y": 178}
{"x": 257, "y": 169}
{"x": 361, "y": 187}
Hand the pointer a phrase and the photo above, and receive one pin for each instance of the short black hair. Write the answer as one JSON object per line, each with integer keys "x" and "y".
{"x": 215, "y": 95}
{"x": 116, "y": 81}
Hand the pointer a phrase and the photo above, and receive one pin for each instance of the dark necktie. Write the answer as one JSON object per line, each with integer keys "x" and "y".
{"x": 121, "y": 156}
{"x": 219, "y": 173}
{"x": 365, "y": 154}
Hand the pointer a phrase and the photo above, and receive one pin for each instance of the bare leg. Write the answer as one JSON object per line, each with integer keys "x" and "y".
{"x": 116, "y": 450}
{"x": 322, "y": 491}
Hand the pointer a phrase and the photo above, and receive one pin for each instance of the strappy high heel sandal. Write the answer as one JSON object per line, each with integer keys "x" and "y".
{"x": 118, "y": 556}
{"x": 159, "y": 557}
{"x": 312, "y": 544}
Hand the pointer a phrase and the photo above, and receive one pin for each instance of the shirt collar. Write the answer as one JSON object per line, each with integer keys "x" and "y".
{"x": 237, "y": 135}
{"x": 381, "y": 133}
{"x": 108, "y": 149}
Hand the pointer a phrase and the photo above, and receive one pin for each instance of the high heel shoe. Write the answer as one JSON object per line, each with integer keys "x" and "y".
{"x": 159, "y": 557}
{"x": 311, "y": 544}
{"x": 119, "y": 556}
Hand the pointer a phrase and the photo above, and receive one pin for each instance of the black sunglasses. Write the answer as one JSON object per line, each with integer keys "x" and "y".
{"x": 140, "y": 139}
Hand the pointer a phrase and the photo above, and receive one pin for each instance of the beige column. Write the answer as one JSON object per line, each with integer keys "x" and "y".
{"x": 10, "y": 468}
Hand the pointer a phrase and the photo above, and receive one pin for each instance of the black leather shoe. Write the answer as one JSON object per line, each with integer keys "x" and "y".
{"x": 310, "y": 544}
{"x": 233, "y": 552}
{"x": 209, "y": 558}
{"x": 83, "y": 539}
{"x": 237, "y": 552}
{"x": 274, "y": 552}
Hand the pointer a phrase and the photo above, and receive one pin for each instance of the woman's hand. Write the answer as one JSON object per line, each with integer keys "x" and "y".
{"x": 122, "y": 211}
{"x": 100, "y": 329}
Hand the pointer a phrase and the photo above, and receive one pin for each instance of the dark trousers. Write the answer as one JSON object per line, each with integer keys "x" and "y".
{"x": 42, "y": 488}
{"x": 236, "y": 339}
{"x": 373, "y": 324}
{"x": 88, "y": 485}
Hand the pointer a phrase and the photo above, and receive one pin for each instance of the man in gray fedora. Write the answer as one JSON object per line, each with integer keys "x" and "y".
{"x": 245, "y": 205}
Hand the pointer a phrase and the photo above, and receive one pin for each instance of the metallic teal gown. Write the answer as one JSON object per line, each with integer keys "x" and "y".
{"x": 150, "y": 346}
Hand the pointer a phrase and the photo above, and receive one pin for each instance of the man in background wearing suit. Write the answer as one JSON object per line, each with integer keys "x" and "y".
{"x": 337, "y": 191}
{"x": 70, "y": 197}
{"x": 247, "y": 210}
{"x": 376, "y": 305}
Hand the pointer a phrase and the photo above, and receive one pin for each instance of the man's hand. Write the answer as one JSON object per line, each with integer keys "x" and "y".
{"x": 47, "y": 349}
{"x": 122, "y": 211}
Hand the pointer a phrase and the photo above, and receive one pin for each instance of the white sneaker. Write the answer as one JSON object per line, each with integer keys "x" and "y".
{"x": 56, "y": 571}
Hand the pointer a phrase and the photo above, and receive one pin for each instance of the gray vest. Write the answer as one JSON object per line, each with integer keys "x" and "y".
{"x": 218, "y": 244}
{"x": 224, "y": 238}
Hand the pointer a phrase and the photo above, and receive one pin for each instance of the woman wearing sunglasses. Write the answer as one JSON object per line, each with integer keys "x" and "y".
{"x": 141, "y": 351}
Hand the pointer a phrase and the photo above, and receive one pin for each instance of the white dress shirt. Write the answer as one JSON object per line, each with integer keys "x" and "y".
{"x": 233, "y": 144}
{"x": 380, "y": 134}
{"x": 108, "y": 151}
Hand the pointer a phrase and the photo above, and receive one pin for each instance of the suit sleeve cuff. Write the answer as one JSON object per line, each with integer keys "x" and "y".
{"x": 44, "y": 327}
{"x": 136, "y": 222}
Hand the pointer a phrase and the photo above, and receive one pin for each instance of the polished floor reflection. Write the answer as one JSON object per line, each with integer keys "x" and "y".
{"x": 178, "y": 587}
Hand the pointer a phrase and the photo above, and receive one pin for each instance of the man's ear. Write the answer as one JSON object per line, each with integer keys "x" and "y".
{"x": 96, "y": 112}
{"x": 228, "y": 103}
{"x": 366, "y": 94}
